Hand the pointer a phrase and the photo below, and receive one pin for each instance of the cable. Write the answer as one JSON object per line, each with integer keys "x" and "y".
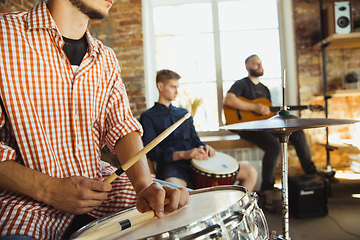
{"x": 341, "y": 228}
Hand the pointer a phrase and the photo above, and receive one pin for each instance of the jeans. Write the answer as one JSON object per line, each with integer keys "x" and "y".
{"x": 270, "y": 144}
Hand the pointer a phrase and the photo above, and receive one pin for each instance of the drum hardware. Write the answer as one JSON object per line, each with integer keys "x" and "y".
{"x": 283, "y": 125}
{"x": 222, "y": 212}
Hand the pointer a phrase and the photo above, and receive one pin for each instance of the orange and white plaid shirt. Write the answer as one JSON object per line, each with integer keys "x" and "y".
{"x": 55, "y": 121}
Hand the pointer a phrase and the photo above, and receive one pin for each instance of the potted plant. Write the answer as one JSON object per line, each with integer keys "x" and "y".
{"x": 356, "y": 24}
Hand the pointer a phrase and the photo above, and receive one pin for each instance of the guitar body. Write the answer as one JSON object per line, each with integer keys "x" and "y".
{"x": 233, "y": 115}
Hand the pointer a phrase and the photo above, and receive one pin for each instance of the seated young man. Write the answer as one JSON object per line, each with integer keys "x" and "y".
{"x": 173, "y": 154}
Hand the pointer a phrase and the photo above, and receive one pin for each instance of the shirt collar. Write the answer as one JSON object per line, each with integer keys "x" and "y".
{"x": 163, "y": 107}
{"x": 40, "y": 17}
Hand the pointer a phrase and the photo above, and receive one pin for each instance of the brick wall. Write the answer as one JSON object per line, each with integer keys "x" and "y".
{"x": 16, "y": 5}
{"x": 310, "y": 78}
{"x": 122, "y": 31}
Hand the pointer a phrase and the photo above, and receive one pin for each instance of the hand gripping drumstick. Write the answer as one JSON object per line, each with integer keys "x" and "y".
{"x": 146, "y": 149}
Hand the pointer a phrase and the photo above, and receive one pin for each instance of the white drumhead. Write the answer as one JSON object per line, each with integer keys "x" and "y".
{"x": 202, "y": 206}
{"x": 221, "y": 163}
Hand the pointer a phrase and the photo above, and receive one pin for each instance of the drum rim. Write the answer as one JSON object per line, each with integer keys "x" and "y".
{"x": 216, "y": 175}
{"x": 243, "y": 199}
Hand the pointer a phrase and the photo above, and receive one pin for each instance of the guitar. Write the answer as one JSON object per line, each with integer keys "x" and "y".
{"x": 233, "y": 115}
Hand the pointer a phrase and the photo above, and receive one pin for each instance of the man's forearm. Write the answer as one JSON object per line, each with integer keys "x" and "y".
{"x": 126, "y": 148}
{"x": 23, "y": 180}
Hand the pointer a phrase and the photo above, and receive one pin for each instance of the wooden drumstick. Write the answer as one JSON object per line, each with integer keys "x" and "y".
{"x": 120, "y": 226}
{"x": 114, "y": 228}
{"x": 146, "y": 149}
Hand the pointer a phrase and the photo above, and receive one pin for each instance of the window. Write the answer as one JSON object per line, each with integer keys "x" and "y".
{"x": 207, "y": 42}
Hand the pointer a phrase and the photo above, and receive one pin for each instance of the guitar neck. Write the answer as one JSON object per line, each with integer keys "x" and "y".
{"x": 276, "y": 109}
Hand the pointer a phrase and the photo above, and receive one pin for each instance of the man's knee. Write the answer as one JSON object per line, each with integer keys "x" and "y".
{"x": 247, "y": 171}
{"x": 176, "y": 181}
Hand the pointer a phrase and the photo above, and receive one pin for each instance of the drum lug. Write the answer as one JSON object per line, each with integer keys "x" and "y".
{"x": 254, "y": 195}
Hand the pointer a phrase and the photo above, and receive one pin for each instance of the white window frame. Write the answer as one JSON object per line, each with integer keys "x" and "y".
{"x": 287, "y": 48}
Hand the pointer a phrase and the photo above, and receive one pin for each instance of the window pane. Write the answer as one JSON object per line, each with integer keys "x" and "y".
{"x": 183, "y": 19}
{"x": 248, "y": 15}
{"x": 184, "y": 43}
{"x": 206, "y": 117}
{"x": 250, "y": 27}
{"x": 191, "y": 56}
{"x": 237, "y": 46}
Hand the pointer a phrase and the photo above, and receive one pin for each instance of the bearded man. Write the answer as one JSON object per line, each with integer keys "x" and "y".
{"x": 251, "y": 88}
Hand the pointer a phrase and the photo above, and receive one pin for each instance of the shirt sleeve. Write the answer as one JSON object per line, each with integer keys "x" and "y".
{"x": 6, "y": 152}
{"x": 237, "y": 88}
{"x": 156, "y": 154}
{"x": 119, "y": 119}
{"x": 196, "y": 142}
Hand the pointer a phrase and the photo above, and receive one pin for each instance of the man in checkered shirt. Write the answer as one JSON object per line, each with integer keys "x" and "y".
{"x": 62, "y": 100}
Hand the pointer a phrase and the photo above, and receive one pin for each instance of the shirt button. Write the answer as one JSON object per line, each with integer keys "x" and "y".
{"x": 78, "y": 146}
{"x": 76, "y": 117}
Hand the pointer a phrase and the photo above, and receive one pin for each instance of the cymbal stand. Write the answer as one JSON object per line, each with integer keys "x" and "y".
{"x": 284, "y": 139}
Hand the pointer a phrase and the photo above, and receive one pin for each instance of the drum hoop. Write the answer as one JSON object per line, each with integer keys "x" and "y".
{"x": 212, "y": 175}
{"x": 242, "y": 201}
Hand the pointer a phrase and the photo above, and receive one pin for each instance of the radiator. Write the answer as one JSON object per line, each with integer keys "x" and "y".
{"x": 252, "y": 156}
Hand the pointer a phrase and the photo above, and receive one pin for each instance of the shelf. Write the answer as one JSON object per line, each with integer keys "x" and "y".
{"x": 343, "y": 93}
{"x": 340, "y": 93}
{"x": 227, "y": 142}
{"x": 341, "y": 147}
{"x": 337, "y": 41}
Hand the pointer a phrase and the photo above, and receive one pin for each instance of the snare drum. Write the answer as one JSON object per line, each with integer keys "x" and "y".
{"x": 218, "y": 170}
{"x": 223, "y": 212}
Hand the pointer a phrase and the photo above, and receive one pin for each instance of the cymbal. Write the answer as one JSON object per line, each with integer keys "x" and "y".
{"x": 286, "y": 124}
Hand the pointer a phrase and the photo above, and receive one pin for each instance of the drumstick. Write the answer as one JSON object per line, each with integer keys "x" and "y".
{"x": 146, "y": 149}
{"x": 117, "y": 227}
{"x": 120, "y": 226}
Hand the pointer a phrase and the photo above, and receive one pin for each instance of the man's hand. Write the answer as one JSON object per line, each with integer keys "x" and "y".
{"x": 209, "y": 151}
{"x": 153, "y": 197}
{"x": 261, "y": 109}
{"x": 77, "y": 195}
{"x": 199, "y": 153}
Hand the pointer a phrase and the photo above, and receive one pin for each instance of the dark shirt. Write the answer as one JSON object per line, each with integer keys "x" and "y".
{"x": 247, "y": 89}
{"x": 157, "y": 119}
{"x": 75, "y": 50}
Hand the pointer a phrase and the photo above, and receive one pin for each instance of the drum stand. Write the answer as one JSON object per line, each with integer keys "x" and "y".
{"x": 284, "y": 139}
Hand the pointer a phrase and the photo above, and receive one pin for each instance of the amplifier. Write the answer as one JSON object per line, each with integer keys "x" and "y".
{"x": 308, "y": 196}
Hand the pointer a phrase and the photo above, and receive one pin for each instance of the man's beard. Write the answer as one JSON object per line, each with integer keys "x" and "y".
{"x": 255, "y": 73}
{"x": 88, "y": 11}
